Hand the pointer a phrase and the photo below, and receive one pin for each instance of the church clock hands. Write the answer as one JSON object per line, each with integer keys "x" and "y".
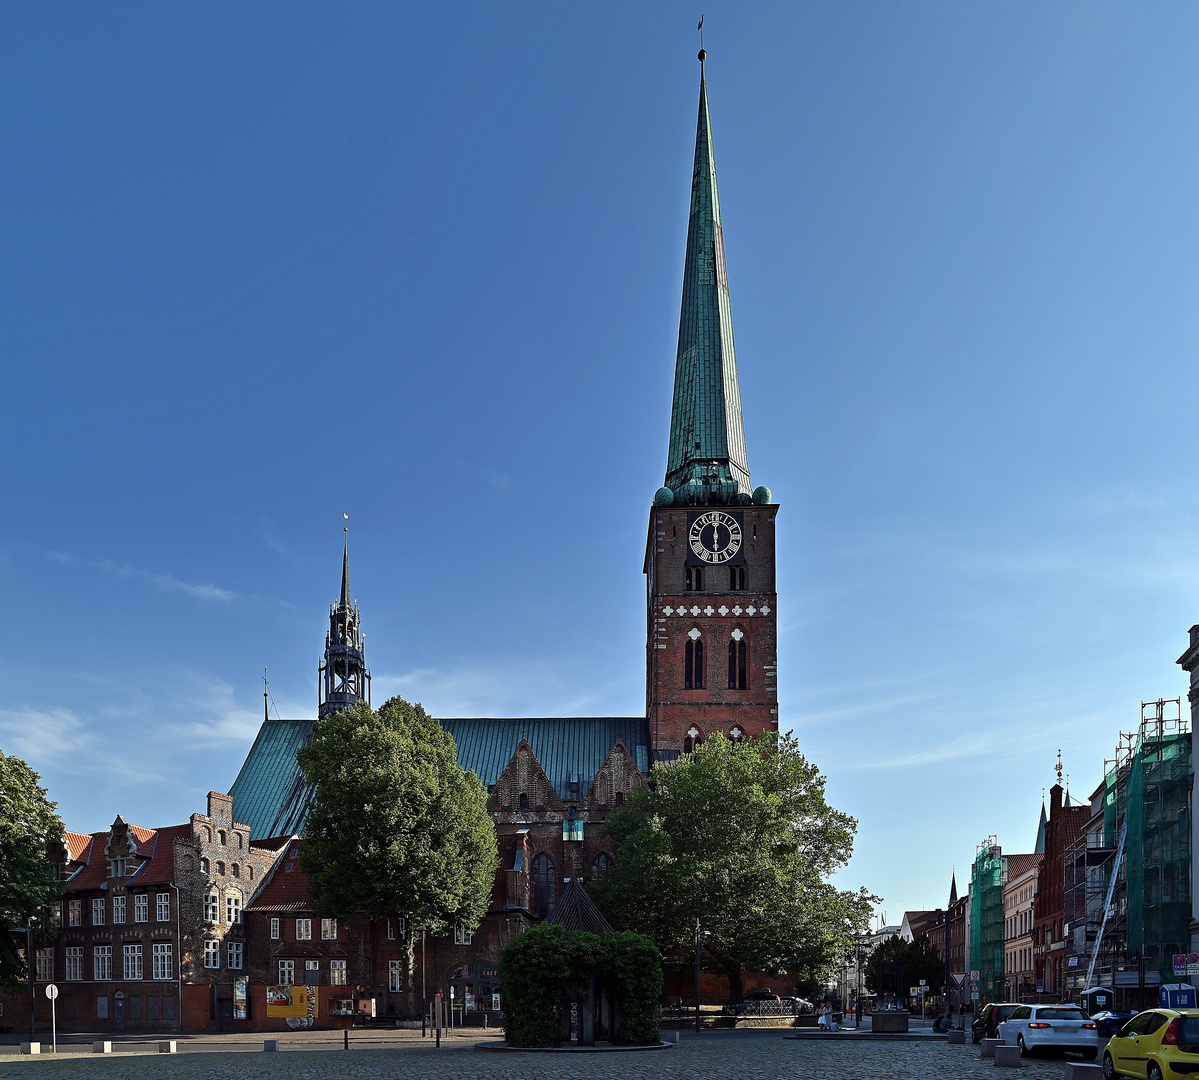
{"x": 715, "y": 537}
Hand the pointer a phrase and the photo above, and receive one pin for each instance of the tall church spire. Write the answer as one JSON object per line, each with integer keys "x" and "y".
{"x": 706, "y": 464}
{"x": 343, "y": 677}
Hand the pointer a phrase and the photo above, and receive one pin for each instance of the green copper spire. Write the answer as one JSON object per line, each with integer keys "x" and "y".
{"x": 707, "y": 462}
{"x": 345, "y": 572}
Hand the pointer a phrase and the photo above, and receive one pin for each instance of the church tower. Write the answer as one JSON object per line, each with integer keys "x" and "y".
{"x": 343, "y": 676}
{"x": 711, "y": 649}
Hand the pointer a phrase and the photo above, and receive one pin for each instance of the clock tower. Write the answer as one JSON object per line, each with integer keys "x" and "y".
{"x": 712, "y": 640}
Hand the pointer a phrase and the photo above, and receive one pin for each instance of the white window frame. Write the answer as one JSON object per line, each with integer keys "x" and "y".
{"x": 162, "y": 906}
{"x": 274, "y": 929}
{"x": 287, "y": 973}
{"x": 212, "y": 908}
{"x": 120, "y": 908}
{"x": 212, "y": 954}
{"x": 132, "y": 966}
{"x": 462, "y": 936}
{"x": 102, "y": 963}
{"x": 118, "y": 868}
{"x": 303, "y": 929}
{"x": 337, "y": 973}
{"x": 328, "y": 929}
{"x": 233, "y": 909}
{"x": 44, "y": 962}
{"x": 73, "y": 954}
{"x": 98, "y": 911}
{"x": 74, "y": 912}
{"x": 141, "y": 907}
{"x": 395, "y": 976}
{"x": 236, "y": 955}
{"x": 391, "y": 930}
{"x": 164, "y": 961}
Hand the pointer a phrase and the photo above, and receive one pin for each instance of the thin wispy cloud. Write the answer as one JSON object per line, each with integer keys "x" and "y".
{"x": 165, "y": 582}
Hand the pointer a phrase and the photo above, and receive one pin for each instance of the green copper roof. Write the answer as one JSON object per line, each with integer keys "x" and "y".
{"x": 707, "y": 462}
{"x": 270, "y": 794}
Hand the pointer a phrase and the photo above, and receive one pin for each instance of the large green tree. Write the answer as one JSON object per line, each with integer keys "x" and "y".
{"x": 28, "y": 824}
{"x": 740, "y": 837}
{"x": 396, "y": 826}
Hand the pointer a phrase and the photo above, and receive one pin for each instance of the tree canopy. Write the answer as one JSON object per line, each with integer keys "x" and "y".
{"x": 28, "y": 824}
{"x": 396, "y": 826}
{"x": 919, "y": 959}
{"x": 739, "y": 836}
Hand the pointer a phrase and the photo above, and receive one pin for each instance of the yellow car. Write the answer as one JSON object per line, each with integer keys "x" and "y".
{"x": 1158, "y": 1044}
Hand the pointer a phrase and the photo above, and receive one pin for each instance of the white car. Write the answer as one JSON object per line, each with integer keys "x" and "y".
{"x": 1060, "y": 1027}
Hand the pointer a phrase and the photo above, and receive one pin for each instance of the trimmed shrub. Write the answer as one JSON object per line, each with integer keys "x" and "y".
{"x": 631, "y": 971}
{"x": 535, "y": 972}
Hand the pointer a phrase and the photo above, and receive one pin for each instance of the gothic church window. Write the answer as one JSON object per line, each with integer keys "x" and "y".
{"x": 692, "y": 740}
{"x": 737, "y": 661}
{"x": 524, "y": 800}
{"x": 602, "y": 864}
{"x": 545, "y": 885}
{"x": 693, "y": 662}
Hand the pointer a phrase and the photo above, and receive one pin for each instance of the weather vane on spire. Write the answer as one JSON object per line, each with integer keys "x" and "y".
{"x": 346, "y": 530}
{"x": 1058, "y": 766}
{"x": 702, "y": 55}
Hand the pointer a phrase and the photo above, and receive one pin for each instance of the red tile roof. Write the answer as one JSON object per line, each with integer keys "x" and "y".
{"x": 76, "y": 843}
{"x": 157, "y": 844}
{"x": 1021, "y": 864}
{"x": 286, "y": 888}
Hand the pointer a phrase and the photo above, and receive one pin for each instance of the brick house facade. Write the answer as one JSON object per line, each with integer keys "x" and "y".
{"x": 1064, "y": 826}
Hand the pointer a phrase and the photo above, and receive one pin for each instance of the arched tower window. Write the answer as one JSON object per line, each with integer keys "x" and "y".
{"x": 736, "y": 578}
{"x": 693, "y": 661}
{"x": 692, "y": 740}
{"x": 695, "y": 579}
{"x": 738, "y": 669}
{"x": 220, "y": 836}
{"x": 545, "y": 885}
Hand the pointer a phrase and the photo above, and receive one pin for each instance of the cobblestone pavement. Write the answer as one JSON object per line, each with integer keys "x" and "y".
{"x": 743, "y": 1055}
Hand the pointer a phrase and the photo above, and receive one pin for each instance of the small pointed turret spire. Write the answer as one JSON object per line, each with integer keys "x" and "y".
{"x": 345, "y": 567}
{"x": 1039, "y": 846}
{"x": 953, "y": 889}
{"x": 706, "y": 463}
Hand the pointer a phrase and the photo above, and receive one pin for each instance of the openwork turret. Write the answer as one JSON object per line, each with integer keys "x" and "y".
{"x": 343, "y": 677}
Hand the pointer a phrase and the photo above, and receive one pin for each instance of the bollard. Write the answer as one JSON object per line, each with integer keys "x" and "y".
{"x": 168, "y": 1046}
{"x": 1078, "y": 1070}
{"x": 31, "y": 1048}
{"x": 345, "y": 1039}
{"x": 987, "y": 1047}
{"x": 957, "y": 1035}
{"x": 270, "y": 1045}
{"x": 101, "y": 1046}
{"x": 1007, "y": 1057}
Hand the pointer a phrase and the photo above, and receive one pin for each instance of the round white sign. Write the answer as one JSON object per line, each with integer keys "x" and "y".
{"x": 51, "y": 991}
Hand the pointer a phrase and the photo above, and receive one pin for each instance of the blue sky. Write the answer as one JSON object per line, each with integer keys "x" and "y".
{"x": 421, "y": 263}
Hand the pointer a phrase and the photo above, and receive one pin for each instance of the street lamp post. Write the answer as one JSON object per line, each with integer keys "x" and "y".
{"x": 697, "y": 943}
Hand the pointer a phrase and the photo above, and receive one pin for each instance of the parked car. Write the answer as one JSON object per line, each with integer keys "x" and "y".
{"x": 761, "y": 993}
{"x": 1110, "y": 1022}
{"x": 1155, "y": 1044}
{"x": 990, "y": 1016}
{"x": 1061, "y": 1027}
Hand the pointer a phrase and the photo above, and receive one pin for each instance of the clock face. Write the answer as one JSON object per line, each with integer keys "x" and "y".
{"x": 715, "y": 537}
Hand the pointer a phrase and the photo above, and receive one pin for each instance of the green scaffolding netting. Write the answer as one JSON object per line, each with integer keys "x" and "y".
{"x": 1158, "y": 849}
{"x": 986, "y": 921}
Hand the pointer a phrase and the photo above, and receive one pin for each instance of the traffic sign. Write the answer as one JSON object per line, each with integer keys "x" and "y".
{"x": 959, "y": 977}
{"x": 1180, "y": 963}
{"x": 51, "y": 991}
{"x": 974, "y": 974}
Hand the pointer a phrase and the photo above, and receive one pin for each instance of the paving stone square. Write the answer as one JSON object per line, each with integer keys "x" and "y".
{"x": 742, "y": 1055}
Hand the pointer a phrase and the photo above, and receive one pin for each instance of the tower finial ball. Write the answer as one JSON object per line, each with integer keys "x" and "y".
{"x": 703, "y": 55}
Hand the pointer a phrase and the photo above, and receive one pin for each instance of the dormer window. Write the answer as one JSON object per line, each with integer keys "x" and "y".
{"x": 118, "y": 867}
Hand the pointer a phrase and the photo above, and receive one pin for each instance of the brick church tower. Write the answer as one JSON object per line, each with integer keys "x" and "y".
{"x": 711, "y": 648}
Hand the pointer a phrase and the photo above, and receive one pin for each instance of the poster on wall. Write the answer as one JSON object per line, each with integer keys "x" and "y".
{"x": 295, "y": 1004}
{"x": 240, "y": 1011}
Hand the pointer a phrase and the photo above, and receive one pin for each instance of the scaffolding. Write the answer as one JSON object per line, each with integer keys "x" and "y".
{"x": 986, "y": 919}
{"x": 1128, "y": 905}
